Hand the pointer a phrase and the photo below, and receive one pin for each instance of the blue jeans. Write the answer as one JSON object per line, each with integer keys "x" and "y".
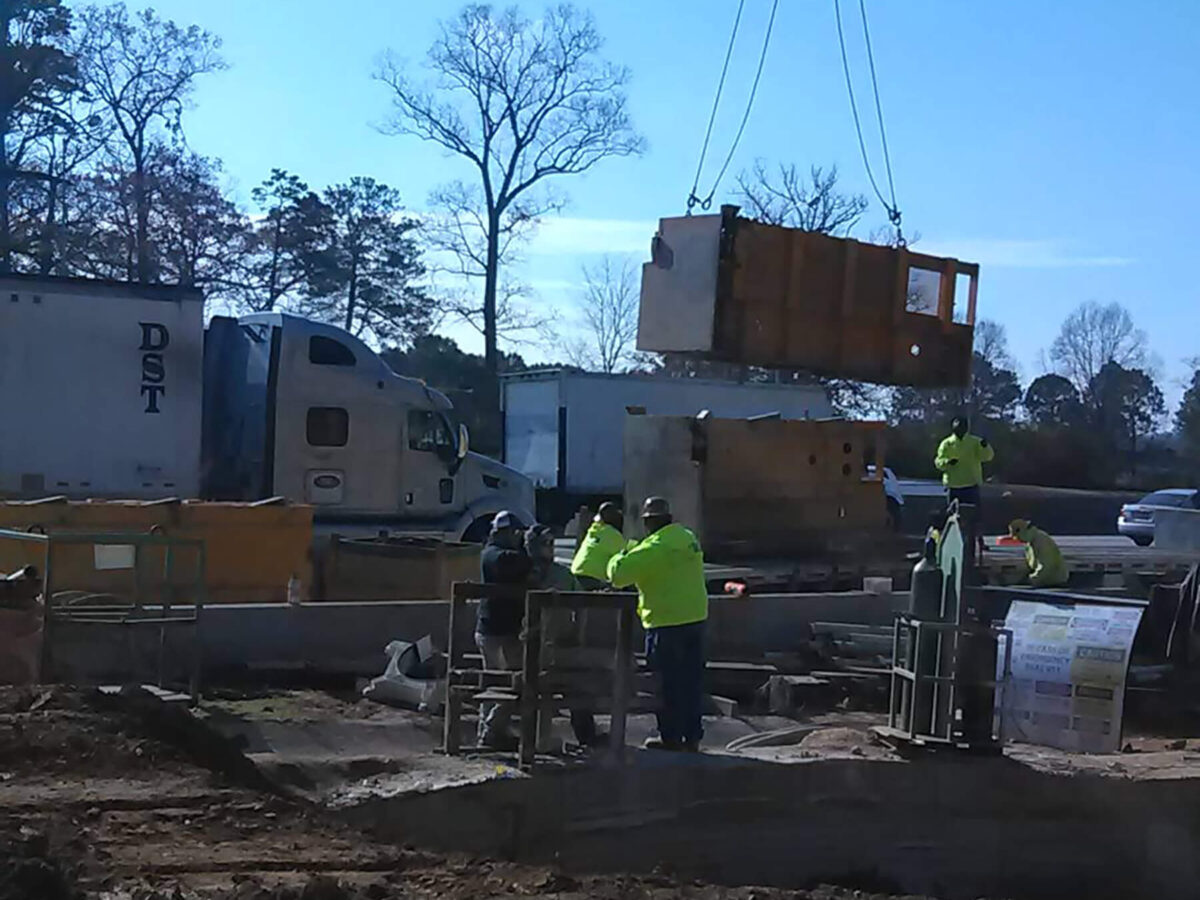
{"x": 677, "y": 654}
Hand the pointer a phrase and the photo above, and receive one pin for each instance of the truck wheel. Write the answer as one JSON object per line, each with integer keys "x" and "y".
{"x": 894, "y": 511}
{"x": 478, "y": 530}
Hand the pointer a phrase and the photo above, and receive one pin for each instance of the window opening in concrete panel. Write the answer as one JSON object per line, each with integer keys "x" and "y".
{"x": 924, "y": 285}
{"x": 962, "y": 297}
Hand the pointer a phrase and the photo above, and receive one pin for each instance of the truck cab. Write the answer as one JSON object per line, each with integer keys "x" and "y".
{"x": 307, "y": 411}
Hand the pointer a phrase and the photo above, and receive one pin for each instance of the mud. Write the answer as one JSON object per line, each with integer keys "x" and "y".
{"x": 96, "y": 803}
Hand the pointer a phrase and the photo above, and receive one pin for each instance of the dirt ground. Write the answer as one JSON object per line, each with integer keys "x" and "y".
{"x": 95, "y": 802}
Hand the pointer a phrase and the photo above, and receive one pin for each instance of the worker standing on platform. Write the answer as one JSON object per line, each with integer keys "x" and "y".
{"x": 667, "y": 567}
{"x": 1044, "y": 560}
{"x": 960, "y": 458}
{"x": 602, "y": 542}
{"x": 498, "y": 626}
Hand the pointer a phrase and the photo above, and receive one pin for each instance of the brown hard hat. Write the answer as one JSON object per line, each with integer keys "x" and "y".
{"x": 655, "y": 506}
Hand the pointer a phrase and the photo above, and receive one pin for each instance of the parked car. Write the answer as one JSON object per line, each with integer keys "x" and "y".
{"x": 1136, "y": 520}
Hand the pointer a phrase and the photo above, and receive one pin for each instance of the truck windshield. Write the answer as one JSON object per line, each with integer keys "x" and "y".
{"x": 429, "y": 431}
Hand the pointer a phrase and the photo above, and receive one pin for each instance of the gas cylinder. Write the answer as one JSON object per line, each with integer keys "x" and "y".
{"x": 925, "y": 595}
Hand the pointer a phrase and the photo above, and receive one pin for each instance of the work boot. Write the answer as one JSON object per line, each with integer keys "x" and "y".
{"x": 658, "y": 743}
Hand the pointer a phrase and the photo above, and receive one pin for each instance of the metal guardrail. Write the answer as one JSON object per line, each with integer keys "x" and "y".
{"x": 147, "y": 605}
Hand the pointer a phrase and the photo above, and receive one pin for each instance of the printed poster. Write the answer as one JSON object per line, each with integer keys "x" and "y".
{"x": 1069, "y": 662}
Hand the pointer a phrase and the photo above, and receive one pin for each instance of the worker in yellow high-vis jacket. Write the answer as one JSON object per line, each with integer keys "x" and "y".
{"x": 1043, "y": 559}
{"x": 602, "y": 542}
{"x": 667, "y": 567}
{"x": 960, "y": 458}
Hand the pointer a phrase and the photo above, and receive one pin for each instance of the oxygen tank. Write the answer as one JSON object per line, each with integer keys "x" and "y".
{"x": 925, "y": 596}
{"x": 924, "y": 604}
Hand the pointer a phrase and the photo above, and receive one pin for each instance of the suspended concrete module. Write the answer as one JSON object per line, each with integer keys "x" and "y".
{"x": 727, "y": 288}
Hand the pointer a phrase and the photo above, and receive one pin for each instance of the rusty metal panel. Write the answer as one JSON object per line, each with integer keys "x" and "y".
{"x": 785, "y": 298}
{"x": 755, "y": 487}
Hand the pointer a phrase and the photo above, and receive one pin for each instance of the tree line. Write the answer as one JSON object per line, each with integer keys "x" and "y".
{"x": 1098, "y": 418}
{"x": 98, "y": 180}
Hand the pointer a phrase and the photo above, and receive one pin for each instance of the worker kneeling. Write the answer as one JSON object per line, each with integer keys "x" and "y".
{"x": 667, "y": 567}
{"x": 1045, "y": 562}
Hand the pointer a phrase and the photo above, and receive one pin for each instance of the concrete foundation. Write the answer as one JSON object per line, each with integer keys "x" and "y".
{"x": 950, "y": 826}
{"x": 348, "y": 638}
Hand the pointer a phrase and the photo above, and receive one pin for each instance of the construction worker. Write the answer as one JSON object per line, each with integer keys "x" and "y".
{"x": 1045, "y": 562}
{"x": 667, "y": 567}
{"x": 602, "y": 542}
{"x": 498, "y": 625}
{"x": 960, "y": 458}
{"x": 563, "y": 628}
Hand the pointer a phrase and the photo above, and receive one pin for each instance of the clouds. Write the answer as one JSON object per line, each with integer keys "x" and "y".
{"x": 584, "y": 237}
{"x": 1018, "y": 254}
{"x": 587, "y": 237}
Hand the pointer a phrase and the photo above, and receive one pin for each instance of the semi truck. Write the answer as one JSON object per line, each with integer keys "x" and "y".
{"x": 118, "y": 390}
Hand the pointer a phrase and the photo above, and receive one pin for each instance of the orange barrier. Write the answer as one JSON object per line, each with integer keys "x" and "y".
{"x": 251, "y": 551}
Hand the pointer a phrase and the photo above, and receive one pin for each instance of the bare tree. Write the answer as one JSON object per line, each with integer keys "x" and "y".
{"x": 457, "y": 233}
{"x": 62, "y": 151}
{"x": 369, "y": 279}
{"x": 991, "y": 344}
{"x": 810, "y": 204}
{"x": 198, "y": 234}
{"x": 522, "y": 101}
{"x": 610, "y": 317}
{"x": 36, "y": 75}
{"x": 142, "y": 69}
{"x": 289, "y": 235}
{"x": 1092, "y": 336}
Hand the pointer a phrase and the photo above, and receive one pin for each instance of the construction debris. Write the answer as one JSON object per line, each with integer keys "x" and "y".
{"x": 414, "y": 677}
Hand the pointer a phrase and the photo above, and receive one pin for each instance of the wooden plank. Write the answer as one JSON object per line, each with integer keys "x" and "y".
{"x": 531, "y": 669}
{"x": 621, "y": 681}
{"x": 470, "y": 590}
{"x": 493, "y": 696}
{"x": 610, "y": 600}
{"x": 451, "y": 731}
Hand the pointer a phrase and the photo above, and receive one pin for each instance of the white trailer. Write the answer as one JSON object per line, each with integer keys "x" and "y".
{"x": 565, "y": 430}
{"x": 101, "y": 398}
{"x": 117, "y": 390}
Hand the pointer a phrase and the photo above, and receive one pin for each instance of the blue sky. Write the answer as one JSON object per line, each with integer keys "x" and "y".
{"x": 1054, "y": 142}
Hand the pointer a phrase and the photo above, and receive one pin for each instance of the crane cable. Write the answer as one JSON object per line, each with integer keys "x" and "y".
{"x": 706, "y": 202}
{"x": 712, "y": 118}
{"x": 893, "y": 210}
